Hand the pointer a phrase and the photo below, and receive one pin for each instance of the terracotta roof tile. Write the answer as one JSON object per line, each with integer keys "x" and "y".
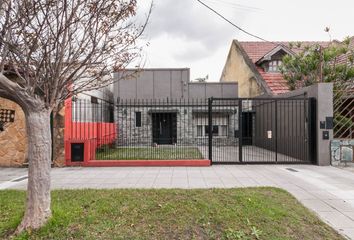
{"x": 257, "y": 50}
{"x": 274, "y": 80}
{"x": 344, "y": 57}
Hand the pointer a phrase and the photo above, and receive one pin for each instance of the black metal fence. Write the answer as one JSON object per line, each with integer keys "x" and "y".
{"x": 272, "y": 130}
{"x": 162, "y": 129}
{"x": 223, "y": 130}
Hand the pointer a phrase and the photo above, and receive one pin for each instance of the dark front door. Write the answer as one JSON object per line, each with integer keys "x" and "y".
{"x": 247, "y": 128}
{"x": 164, "y": 128}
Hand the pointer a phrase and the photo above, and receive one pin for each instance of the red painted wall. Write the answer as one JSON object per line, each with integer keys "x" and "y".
{"x": 92, "y": 134}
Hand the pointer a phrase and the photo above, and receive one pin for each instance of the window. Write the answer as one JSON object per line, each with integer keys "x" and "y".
{"x": 111, "y": 113}
{"x": 215, "y": 130}
{"x": 137, "y": 119}
{"x": 94, "y": 100}
{"x": 273, "y": 66}
{"x": 223, "y": 130}
{"x": 199, "y": 130}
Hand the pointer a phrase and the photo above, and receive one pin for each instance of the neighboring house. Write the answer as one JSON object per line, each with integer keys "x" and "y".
{"x": 89, "y": 118}
{"x": 13, "y": 138}
{"x": 179, "y": 113}
{"x": 255, "y": 66}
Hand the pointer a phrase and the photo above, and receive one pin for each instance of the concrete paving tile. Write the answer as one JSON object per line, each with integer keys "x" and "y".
{"x": 179, "y": 181}
{"x": 340, "y": 205}
{"x": 343, "y": 194}
{"x": 302, "y": 194}
{"x": 336, "y": 219}
{"x": 348, "y": 232}
{"x": 130, "y": 181}
{"x": 162, "y": 185}
{"x": 163, "y": 180}
{"x": 112, "y": 186}
{"x": 144, "y": 186}
{"x": 317, "y": 205}
{"x": 213, "y": 181}
{"x": 322, "y": 194}
{"x": 238, "y": 174}
{"x": 248, "y": 182}
{"x": 349, "y": 215}
{"x": 233, "y": 185}
{"x": 197, "y": 185}
{"x": 127, "y": 185}
{"x": 215, "y": 185}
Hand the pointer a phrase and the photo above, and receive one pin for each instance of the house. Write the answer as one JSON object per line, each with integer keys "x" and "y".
{"x": 255, "y": 66}
{"x": 13, "y": 136}
{"x": 13, "y": 139}
{"x": 162, "y": 106}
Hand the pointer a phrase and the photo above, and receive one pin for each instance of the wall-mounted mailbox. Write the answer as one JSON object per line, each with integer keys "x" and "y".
{"x": 325, "y": 135}
{"x": 269, "y": 134}
{"x": 329, "y": 122}
{"x": 77, "y": 152}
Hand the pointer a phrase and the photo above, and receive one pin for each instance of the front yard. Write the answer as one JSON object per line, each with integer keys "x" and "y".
{"x": 247, "y": 213}
{"x": 148, "y": 153}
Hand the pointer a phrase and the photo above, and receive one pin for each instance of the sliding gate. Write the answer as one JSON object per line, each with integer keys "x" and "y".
{"x": 261, "y": 130}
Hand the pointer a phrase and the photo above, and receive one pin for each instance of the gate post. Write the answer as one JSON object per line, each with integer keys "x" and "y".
{"x": 240, "y": 130}
{"x": 210, "y": 128}
{"x": 311, "y": 130}
{"x": 276, "y": 131}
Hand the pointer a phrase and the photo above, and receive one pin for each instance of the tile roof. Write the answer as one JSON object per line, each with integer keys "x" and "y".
{"x": 256, "y": 50}
{"x": 344, "y": 57}
{"x": 275, "y": 81}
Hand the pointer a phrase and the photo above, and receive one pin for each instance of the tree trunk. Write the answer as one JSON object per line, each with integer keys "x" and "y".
{"x": 39, "y": 158}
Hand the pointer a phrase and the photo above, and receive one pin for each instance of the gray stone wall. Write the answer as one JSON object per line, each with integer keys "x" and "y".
{"x": 342, "y": 152}
{"x": 130, "y": 135}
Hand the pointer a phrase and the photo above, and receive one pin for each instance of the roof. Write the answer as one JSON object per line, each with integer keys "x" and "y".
{"x": 344, "y": 57}
{"x": 256, "y": 51}
{"x": 275, "y": 81}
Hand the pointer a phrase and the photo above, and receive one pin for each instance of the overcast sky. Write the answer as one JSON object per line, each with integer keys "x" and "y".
{"x": 183, "y": 33}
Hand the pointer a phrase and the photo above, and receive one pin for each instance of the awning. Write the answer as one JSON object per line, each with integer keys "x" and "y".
{"x": 163, "y": 111}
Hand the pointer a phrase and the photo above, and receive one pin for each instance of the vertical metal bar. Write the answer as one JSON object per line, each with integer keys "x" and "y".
{"x": 210, "y": 128}
{"x": 276, "y": 131}
{"x": 312, "y": 130}
{"x": 240, "y": 130}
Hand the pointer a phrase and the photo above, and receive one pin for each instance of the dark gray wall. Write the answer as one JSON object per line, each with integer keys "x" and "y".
{"x": 168, "y": 83}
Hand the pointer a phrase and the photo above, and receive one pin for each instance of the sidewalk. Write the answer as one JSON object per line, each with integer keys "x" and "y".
{"x": 328, "y": 191}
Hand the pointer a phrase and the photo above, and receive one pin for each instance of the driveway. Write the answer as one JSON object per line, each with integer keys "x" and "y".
{"x": 328, "y": 191}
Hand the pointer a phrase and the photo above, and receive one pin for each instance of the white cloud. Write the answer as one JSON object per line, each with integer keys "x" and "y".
{"x": 183, "y": 33}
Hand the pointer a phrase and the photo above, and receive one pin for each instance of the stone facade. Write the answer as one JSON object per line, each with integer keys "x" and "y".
{"x": 13, "y": 140}
{"x": 342, "y": 152}
{"x": 58, "y": 137}
{"x": 187, "y": 120}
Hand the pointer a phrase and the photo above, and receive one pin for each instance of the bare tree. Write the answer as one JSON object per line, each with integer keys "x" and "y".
{"x": 54, "y": 49}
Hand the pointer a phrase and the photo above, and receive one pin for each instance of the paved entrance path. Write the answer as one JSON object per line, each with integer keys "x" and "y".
{"x": 328, "y": 191}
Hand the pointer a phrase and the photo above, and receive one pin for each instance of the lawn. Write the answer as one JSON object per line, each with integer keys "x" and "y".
{"x": 148, "y": 153}
{"x": 244, "y": 213}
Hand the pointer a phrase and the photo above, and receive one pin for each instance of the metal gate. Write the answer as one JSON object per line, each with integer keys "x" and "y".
{"x": 223, "y": 130}
{"x": 261, "y": 130}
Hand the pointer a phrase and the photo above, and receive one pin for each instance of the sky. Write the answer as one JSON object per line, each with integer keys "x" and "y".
{"x": 185, "y": 34}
